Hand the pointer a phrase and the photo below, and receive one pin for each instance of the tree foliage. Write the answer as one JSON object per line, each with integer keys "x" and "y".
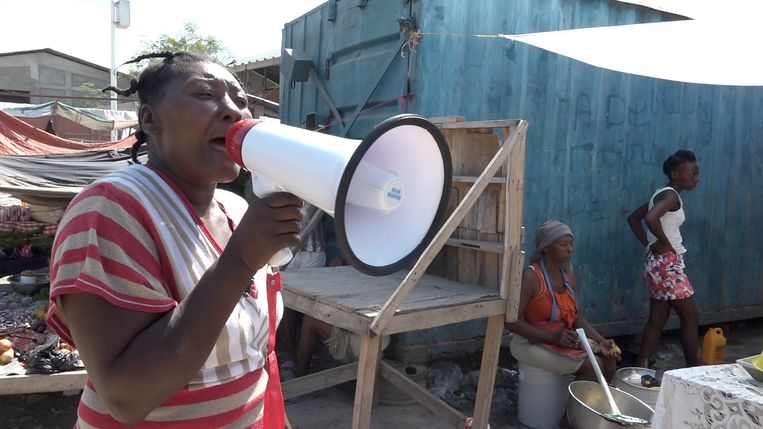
{"x": 188, "y": 40}
{"x": 97, "y": 101}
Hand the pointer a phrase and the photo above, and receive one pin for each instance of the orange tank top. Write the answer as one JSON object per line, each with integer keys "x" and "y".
{"x": 545, "y": 307}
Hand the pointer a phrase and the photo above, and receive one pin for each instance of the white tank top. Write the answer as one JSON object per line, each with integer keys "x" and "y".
{"x": 671, "y": 223}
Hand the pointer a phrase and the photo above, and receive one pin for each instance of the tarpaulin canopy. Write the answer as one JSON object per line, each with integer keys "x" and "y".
{"x": 53, "y": 180}
{"x": 717, "y": 48}
{"x": 40, "y": 168}
{"x": 19, "y": 138}
{"x": 94, "y": 119}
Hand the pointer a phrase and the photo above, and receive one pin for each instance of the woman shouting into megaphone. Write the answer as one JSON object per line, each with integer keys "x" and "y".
{"x": 161, "y": 280}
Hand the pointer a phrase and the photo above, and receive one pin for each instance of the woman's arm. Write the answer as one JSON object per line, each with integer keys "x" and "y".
{"x": 663, "y": 202}
{"x": 605, "y": 345}
{"x": 634, "y": 220}
{"x": 138, "y": 360}
{"x": 530, "y": 288}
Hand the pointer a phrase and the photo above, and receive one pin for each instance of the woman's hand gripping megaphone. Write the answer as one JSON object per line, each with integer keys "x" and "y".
{"x": 262, "y": 187}
{"x": 272, "y": 223}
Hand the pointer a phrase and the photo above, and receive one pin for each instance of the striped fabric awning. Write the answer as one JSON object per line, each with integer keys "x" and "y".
{"x": 19, "y": 138}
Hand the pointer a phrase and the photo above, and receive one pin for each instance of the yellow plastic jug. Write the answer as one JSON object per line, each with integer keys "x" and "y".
{"x": 713, "y": 347}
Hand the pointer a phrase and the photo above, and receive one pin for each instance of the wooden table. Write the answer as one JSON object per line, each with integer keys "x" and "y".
{"x": 344, "y": 297}
{"x": 710, "y": 396}
{"x": 39, "y": 383}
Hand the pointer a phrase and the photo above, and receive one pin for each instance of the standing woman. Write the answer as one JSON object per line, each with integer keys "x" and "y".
{"x": 545, "y": 334}
{"x": 669, "y": 287}
{"x": 161, "y": 280}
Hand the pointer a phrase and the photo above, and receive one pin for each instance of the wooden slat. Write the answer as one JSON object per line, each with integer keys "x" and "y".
{"x": 421, "y": 395}
{"x": 368, "y": 367}
{"x": 515, "y": 286}
{"x": 468, "y": 259}
{"x": 513, "y": 229}
{"x": 488, "y": 368}
{"x": 444, "y": 316}
{"x": 40, "y": 383}
{"x": 327, "y": 313}
{"x": 437, "y": 120}
{"x": 502, "y": 123}
{"x": 319, "y": 380}
{"x": 442, "y": 236}
{"x": 481, "y": 245}
{"x": 471, "y": 179}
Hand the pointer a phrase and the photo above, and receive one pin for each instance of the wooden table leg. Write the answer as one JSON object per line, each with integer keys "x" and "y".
{"x": 487, "y": 371}
{"x": 368, "y": 367}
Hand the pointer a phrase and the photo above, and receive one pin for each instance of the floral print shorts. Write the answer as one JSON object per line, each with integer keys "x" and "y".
{"x": 664, "y": 274}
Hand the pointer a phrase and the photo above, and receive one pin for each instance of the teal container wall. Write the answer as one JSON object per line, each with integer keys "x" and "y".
{"x": 595, "y": 145}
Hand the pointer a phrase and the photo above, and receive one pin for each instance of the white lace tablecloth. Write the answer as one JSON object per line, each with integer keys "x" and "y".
{"x": 712, "y": 397}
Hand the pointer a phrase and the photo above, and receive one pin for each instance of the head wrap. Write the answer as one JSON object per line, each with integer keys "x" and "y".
{"x": 547, "y": 233}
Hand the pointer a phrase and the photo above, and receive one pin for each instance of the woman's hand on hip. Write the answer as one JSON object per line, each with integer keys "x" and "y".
{"x": 660, "y": 248}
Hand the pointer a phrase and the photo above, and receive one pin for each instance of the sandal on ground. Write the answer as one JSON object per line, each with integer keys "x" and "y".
{"x": 288, "y": 370}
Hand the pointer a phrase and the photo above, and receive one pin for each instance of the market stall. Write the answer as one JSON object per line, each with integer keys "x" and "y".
{"x": 33, "y": 358}
{"x": 26, "y": 234}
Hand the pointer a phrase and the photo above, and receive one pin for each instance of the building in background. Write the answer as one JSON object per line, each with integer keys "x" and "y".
{"x": 261, "y": 80}
{"x": 43, "y": 75}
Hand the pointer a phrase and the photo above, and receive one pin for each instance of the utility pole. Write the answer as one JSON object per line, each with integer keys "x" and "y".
{"x": 120, "y": 18}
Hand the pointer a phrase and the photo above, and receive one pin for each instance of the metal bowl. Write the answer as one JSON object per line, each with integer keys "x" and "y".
{"x": 629, "y": 380}
{"x": 587, "y": 406}
{"x": 41, "y": 281}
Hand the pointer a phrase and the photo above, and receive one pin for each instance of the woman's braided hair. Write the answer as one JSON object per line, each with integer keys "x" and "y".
{"x": 674, "y": 161}
{"x": 150, "y": 84}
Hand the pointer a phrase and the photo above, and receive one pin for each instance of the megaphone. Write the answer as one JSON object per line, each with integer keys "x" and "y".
{"x": 388, "y": 193}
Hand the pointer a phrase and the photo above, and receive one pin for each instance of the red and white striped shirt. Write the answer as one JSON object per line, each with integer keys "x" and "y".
{"x": 133, "y": 239}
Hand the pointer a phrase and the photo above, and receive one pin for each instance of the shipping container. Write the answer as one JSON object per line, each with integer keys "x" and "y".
{"x": 595, "y": 143}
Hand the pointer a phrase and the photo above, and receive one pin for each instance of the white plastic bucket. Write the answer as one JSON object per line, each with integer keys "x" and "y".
{"x": 542, "y": 397}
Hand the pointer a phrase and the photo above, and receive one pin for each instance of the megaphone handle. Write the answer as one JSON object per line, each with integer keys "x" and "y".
{"x": 262, "y": 187}
{"x": 281, "y": 258}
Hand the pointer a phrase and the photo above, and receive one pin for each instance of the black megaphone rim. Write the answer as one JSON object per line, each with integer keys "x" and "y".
{"x": 349, "y": 172}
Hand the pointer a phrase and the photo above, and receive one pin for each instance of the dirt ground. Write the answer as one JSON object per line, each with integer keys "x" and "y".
{"x": 332, "y": 408}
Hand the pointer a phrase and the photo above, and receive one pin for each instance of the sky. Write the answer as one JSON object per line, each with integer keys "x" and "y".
{"x": 249, "y": 29}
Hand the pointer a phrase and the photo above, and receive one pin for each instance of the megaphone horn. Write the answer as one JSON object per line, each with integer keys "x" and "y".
{"x": 387, "y": 193}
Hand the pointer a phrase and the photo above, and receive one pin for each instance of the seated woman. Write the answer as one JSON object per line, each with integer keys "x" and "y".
{"x": 544, "y": 333}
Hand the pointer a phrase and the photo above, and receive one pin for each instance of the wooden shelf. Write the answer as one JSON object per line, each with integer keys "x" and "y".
{"x": 411, "y": 300}
{"x": 345, "y": 297}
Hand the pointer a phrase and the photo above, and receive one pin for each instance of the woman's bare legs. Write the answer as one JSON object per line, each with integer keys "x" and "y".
{"x": 687, "y": 312}
{"x": 658, "y": 316}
